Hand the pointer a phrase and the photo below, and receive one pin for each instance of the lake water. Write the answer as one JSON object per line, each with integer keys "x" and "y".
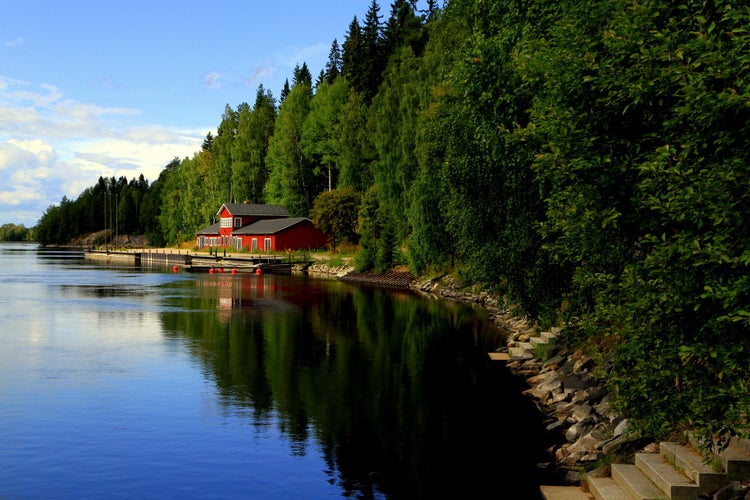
{"x": 121, "y": 382}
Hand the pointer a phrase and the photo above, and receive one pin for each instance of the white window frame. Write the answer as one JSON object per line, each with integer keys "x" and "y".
{"x": 254, "y": 245}
{"x": 267, "y": 244}
{"x": 226, "y": 222}
{"x": 238, "y": 222}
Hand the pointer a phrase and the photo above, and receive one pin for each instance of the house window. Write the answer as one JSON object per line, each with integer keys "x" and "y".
{"x": 238, "y": 222}
{"x": 226, "y": 222}
{"x": 267, "y": 244}
{"x": 254, "y": 245}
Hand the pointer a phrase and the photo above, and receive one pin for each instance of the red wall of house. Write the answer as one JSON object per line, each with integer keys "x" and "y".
{"x": 227, "y": 231}
{"x": 247, "y": 242}
{"x": 300, "y": 236}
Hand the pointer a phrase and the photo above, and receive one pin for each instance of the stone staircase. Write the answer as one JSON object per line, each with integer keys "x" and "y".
{"x": 528, "y": 348}
{"x": 678, "y": 472}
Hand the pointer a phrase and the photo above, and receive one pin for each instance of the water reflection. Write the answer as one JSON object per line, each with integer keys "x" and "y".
{"x": 396, "y": 391}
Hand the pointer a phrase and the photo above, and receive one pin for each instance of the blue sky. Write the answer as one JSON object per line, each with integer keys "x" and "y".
{"x": 93, "y": 88}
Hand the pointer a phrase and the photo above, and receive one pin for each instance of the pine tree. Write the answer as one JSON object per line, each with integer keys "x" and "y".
{"x": 284, "y": 91}
{"x": 373, "y": 55}
{"x": 352, "y": 57}
{"x": 333, "y": 66}
{"x": 208, "y": 142}
{"x": 403, "y": 27}
{"x": 302, "y": 75}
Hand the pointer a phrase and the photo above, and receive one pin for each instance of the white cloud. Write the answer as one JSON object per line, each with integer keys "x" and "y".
{"x": 14, "y": 42}
{"x": 259, "y": 73}
{"x": 212, "y": 80}
{"x": 51, "y": 146}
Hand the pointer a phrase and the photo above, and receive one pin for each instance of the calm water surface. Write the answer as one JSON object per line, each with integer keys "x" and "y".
{"x": 121, "y": 382}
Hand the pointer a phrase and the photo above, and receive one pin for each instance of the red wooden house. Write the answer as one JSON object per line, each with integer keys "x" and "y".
{"x": 259, "y": 228}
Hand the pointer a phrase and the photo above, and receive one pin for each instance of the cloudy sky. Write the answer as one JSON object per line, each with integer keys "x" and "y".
{"x": 93, "y": 88}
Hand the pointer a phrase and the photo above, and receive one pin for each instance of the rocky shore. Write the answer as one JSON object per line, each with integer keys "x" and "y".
{"x": 561, "y": 382}
{"x": 559, "y": 379}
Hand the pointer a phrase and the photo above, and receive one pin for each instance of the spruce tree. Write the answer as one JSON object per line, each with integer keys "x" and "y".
{"x": 333, "y": 66}
{"x": 374, "y": 58}
{"x": 302, "y": 75}
{"x": 284, "y": 91}
{"x": 352, "y": 57}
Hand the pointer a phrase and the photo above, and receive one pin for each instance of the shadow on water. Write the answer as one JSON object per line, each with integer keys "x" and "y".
{"x": 395, "y": 390}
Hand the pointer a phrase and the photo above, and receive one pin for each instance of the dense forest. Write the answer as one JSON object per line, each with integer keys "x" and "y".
{"x": 587, "y": 159}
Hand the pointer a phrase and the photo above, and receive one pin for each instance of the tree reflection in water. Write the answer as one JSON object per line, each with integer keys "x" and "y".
{"x": 395, "y": 389}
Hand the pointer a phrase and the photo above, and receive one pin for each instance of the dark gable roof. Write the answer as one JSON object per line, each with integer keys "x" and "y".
{"x": 269, "y": 226}
{"x": 254, "y": 210}
{"x": 213, "y": 229}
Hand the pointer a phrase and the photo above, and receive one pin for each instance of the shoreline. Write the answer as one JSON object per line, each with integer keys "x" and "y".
{"x": 559, "y": 380}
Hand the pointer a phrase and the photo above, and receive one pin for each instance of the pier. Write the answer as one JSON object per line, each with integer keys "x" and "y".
{"x": 199, "y": 262}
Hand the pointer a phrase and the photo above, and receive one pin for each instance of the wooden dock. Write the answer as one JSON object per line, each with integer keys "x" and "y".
{"x": 198, "y": 263}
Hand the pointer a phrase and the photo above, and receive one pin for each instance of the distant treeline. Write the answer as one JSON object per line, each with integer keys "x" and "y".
{"x": 115, "y": 204}
{"x": 15, "y": 232}
{"x": 589, "y": 160}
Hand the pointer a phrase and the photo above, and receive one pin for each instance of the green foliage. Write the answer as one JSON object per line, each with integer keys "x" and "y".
{"x": 353, "y": 145}
{"x": 393, "y": 119}
{"x": 335, "y": 213}
{"x": 318, "y": 141}
{"x": 377, "y": 234}
{"x": 250, "y": 145}
{"x": 291, "y": 182}
{"x": 646, "y": 162}
{"x": 14, "y": 232}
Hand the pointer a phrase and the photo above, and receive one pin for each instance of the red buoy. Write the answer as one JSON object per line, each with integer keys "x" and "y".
{"x": 234, "y": 271}
{"x": 211, "y": 270}
{"x": 221, "y": 269}
{"x": 259, "y": 271}
{"x": 175, "y": 269}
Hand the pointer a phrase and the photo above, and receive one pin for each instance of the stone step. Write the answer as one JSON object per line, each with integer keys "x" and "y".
{"x": 736, "y": 460}
{"x": 526, "y": 345}
{"x": 742, "y": 445}
{"x": 499, "y": 356}
{"x": 564, "y": 493}
{"x": 692, "y": 464}
{"x": 605, "y": 488}
{"x": 538, "y": 341}
{"x": 519, "y": 353}
{"x": 634, "y": 483}
{"x": 677, "y": 486}
{"x": 550, "y": 336}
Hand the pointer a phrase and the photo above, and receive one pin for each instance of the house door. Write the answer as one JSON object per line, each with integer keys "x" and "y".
{"x": 254, "y": 244}
{"x": 267, "y": 244}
